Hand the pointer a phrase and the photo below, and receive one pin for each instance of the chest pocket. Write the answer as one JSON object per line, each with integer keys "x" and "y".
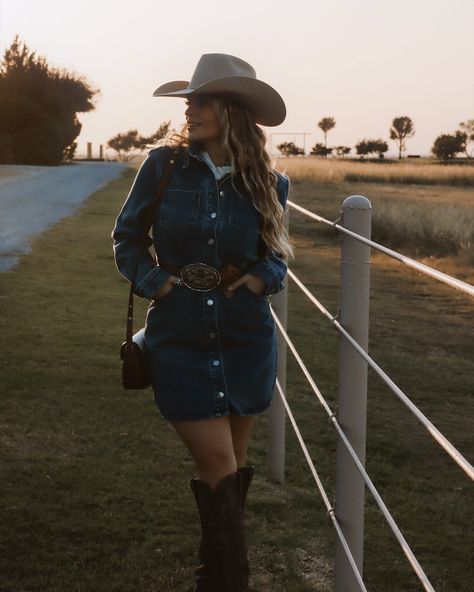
{"x": 243, "y": 215}
{"x": 178, "y": 208}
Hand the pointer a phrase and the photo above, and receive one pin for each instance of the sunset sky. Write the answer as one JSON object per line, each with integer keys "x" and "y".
{"x": 362, "y": 62}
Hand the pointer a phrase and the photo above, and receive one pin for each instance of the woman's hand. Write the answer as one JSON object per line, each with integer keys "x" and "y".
{"x": 165, "y": 288}
{"x": 253, "y": 283}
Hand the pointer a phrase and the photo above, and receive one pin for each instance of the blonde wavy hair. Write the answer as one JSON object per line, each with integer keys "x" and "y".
{"x": 244, "y": 140}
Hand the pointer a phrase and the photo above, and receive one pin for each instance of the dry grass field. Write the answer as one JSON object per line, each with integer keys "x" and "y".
{"x": 423, "y": 171}
{"x": 426, "y": 218}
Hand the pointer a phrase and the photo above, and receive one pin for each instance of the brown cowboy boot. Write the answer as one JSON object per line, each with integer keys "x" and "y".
{"x": 202, "y": 575}
{"x": 223, "y": 547}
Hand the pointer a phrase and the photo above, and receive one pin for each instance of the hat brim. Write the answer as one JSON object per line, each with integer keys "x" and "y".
{"x": 263, "y": 100}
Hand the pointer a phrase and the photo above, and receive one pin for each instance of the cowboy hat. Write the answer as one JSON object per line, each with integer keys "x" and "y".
{"x": 227, "y": 75}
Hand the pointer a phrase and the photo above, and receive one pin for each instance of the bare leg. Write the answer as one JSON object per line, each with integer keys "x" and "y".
{"x": 218, "y": 445}
{"x": 241, "y": 428}
{"x": 210, "y": 443}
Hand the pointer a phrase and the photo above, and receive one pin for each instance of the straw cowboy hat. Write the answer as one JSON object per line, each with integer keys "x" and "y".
{"x": 224, "y": 74}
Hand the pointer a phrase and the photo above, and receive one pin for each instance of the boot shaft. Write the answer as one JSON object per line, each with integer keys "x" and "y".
{"x": 223, "y": 543}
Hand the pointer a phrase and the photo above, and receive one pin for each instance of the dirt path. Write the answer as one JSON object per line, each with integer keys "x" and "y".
{"x": 32, "y": 198}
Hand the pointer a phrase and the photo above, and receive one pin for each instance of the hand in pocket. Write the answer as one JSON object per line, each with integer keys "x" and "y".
{"x": 252, "y": 282}
{"x": 165, "y": 288}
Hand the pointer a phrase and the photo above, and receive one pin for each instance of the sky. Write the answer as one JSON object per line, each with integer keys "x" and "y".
{"x": 362, "y": 62}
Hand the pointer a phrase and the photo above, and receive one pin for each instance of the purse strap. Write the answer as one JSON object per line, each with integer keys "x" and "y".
{"x": 148, "y": 223}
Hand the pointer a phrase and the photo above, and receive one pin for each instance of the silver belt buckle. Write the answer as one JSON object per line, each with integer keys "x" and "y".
{"x": 200, "y": 277}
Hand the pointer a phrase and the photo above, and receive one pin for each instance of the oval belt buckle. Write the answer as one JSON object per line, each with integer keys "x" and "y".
{"x": 200, "y": 277}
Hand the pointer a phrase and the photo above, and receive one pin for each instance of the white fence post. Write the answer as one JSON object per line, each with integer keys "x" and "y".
{"x": 352, "y": 398}
{"x": 277, "y": 413}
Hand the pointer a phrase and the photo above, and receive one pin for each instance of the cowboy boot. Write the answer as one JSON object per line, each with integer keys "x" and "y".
{"x": 223, "y": 540}
{"x": 202, "y": 575}
{"x": 247, "y": 474}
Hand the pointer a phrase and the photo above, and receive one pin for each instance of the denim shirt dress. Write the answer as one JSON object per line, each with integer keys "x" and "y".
{"x": 210, "y": 355}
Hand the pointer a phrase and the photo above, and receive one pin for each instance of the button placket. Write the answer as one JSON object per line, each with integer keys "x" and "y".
{"x": 210, "y": 311}
{"x": 209, "y": 249}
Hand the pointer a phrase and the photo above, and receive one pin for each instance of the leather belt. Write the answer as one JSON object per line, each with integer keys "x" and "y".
{"x": 203, "y": 277}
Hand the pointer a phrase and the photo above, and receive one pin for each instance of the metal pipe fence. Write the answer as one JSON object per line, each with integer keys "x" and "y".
{"x": 351, "y": 322}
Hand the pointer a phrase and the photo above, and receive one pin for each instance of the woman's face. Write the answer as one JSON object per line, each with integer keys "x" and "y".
{"x": 201, "y": 118}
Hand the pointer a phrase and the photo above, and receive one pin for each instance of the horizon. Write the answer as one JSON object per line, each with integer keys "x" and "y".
{"x": 426, "y": 74}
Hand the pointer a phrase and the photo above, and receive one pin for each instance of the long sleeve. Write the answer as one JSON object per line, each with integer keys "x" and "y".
{"x": 273, "y": 268}
{"x": 128, "y": 232}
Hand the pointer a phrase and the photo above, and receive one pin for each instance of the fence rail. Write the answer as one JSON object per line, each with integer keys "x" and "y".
{"x": 351, "y": 322}
{"x": 432, "y": 429}
{"x": 426, "y": 269}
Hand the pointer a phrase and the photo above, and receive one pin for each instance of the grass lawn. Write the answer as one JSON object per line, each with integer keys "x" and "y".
{"x": 95, "y": 485}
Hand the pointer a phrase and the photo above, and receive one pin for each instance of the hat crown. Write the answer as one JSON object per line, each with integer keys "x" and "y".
{"x": 220, "y": 65}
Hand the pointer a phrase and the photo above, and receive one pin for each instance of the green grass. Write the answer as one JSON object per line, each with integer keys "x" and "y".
{"x": 95, "y": 485}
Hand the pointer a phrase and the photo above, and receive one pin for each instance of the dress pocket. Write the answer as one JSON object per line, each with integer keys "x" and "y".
{"x": 159, "y": 300}
{"x": 247, "y": 290}
{"x": 178, "y": 208}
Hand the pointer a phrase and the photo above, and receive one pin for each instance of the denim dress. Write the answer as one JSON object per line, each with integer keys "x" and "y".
{"x": 210, "y": 355}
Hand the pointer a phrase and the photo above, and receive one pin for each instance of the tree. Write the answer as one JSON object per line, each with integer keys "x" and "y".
{"x": 467, "y": 127}
{"x": 289, "y": 149}
{"x": 326, "y": 124}
{"x": 402, "y": 128}
{"x": 125, "y": 143}
{"x": 341, "y": 151}
{"x": 38, "y": 108}
{"x": 447, "y": 146}
{"x": 365, "y": 147}
{"x": 379, "y": 147}
{"x": 320, "y": 150}
{"x": 160, "y": 133}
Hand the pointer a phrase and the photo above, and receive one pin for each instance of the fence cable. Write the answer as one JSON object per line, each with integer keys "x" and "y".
{"x": 397, "y": 532}
{"x": 426, "y": 269}
{"x": 330, "y": 509}
{"x": 431, "y": 428}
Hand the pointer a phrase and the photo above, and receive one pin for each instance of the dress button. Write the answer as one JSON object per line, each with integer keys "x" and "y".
{"x": 216, "y": 362}
{"x": 210, "y": 241}
{"x": 221, "y": 193}
{"x": 210, "y": 302}
{"x": 220, "y": 395}
{"x": 213, "y": 215}
{"x": 212, "y": 335}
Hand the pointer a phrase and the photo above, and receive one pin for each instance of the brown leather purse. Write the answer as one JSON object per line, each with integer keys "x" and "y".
{"x": 135, "y": 364}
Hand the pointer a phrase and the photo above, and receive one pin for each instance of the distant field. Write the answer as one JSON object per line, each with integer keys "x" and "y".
{"x": 422, "y": 172}
{"x": 427, "y": 219}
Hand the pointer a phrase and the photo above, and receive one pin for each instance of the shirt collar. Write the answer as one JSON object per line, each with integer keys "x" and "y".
{"x": 194, "y": 150}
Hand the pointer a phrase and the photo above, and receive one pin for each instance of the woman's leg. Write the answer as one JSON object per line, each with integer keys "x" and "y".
{"x": 217, "y": 445}
{"x": 241, "y": 428}
{"x": 211, "y": 446}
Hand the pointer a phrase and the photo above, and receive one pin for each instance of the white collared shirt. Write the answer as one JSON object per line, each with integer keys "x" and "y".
{"x": 219, "y": 171}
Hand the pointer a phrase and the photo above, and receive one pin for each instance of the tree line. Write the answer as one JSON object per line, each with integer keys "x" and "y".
{"x": 445, "y": 146}
{"x": 39, "y": 124}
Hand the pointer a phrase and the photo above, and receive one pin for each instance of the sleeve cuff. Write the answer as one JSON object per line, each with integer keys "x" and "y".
{"x": 265, "y": 272}
{"x": 152, "y": 282}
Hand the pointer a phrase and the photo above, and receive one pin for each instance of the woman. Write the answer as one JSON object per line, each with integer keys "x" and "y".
{"x": 221, "y": 249}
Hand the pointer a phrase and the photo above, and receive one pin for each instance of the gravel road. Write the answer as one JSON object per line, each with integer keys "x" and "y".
{"x": 32, "y": 198}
